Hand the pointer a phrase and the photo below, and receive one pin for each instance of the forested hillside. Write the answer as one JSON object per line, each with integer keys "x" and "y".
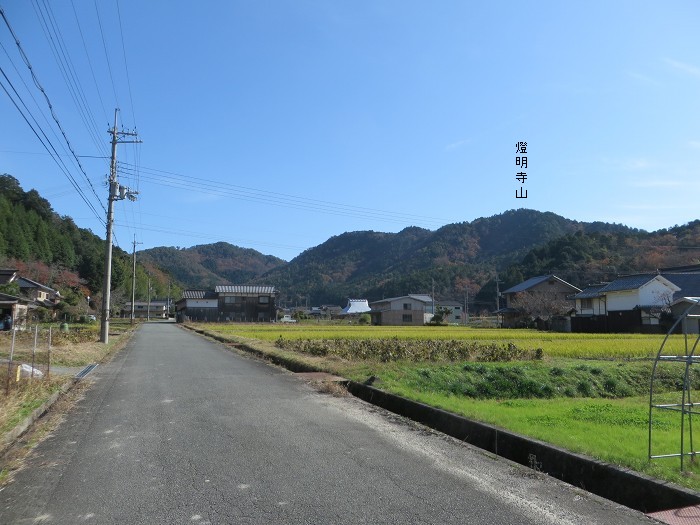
{"x": 208, "y": 265}
{"x": 52, "y": 250}
{"x": 587, "y": 258}
{"x": 455, "y": 260}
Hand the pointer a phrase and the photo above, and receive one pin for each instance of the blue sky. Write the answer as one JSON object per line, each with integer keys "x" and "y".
{"x": 275, "y": 125}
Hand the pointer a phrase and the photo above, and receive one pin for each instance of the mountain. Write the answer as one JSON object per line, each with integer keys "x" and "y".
{"x": 30, "y": 231}
{"x": 208, "y": 265}
{"x": 599, "y": 256}
{"x": 52, "y": 250}
{"x": 454, "y": 260}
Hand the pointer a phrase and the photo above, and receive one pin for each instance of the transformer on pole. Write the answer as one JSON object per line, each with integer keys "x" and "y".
{"x": 116, "y": 192}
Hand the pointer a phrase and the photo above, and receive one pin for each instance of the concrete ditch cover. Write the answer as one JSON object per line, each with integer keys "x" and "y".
{"x": 683, "y": 516}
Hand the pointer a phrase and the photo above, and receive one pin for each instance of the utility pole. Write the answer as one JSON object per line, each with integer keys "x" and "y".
{"x": 498, "y": 298}
{"x": 498, "y": 294}
{"x": 116, "y": 192}
{"x": 148, "y": 311}
{"x": 133, "y": 283}
{"x": 466, "y": 308}
{"x": 168, "y": 300}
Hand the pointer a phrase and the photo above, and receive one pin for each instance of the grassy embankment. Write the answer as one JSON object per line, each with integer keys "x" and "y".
{"x": 585, "y": 392}
{"x": 79, "y": 347}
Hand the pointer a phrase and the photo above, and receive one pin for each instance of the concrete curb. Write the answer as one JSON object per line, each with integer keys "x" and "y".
{"x": 623, "y": 486}
{"x": 617, "y": 484}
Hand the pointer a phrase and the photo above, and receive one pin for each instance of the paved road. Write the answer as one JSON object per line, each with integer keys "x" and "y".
{"x": 180, "y": 430}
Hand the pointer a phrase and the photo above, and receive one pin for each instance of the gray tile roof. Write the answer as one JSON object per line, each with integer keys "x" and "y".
{"x": 534, "y": 281}
{"x": 591, "y": 291}
{"x": 245, "y": 289}
{"x": 28, "y": 283}
{"x": 689, "y": 284}
{"x": 418, "y": 297}
{"x": 198, "y": 294}
{"x": 628, "y": 282}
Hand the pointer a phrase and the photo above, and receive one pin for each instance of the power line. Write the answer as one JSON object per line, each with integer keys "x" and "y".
{"x": 54, "y": 155}
{"x": 126, "y": 67}
{"x": 104, "y": 45}
{"x": 87, "y": 55}
{"x": 56, "y": 42}
{"x": 211, "y": 187}
{"x": 48, "y": 101}
{"x": 201, "y": 235}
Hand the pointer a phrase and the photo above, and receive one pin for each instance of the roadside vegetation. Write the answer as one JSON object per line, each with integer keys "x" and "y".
{"x": 588, "y": 393}
{"x": 69, "y": 351}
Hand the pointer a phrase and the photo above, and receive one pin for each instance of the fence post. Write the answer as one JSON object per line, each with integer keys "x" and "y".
{"x": 36, "y": 336}
{"x": 9, "y": 361}
{"x": 48, "y": 364}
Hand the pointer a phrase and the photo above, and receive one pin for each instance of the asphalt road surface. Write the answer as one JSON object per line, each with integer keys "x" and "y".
{"x": 180, "y": 430}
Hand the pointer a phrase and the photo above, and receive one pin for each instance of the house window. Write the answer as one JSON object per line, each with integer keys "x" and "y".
{"x": 264, "y": 299}
{"x": 407, "y": 318}
{"x": 407, "y": 306}
{"x": 586, "y": 304}
{"x": 232, "y": 299}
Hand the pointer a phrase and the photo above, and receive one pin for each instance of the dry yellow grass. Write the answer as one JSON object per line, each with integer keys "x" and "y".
{"x": 72, "y": 349}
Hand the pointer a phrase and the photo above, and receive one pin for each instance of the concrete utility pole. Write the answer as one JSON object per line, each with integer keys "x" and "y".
{"x": 498, "y": 294}
{"x": 168, "y": 299}
{"x": 116, "y": 192}
{"x": 148, "y": 311}
{"x": 133, "y": 282}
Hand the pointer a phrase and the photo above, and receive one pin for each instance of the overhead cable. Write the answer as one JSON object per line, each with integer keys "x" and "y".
{"x": 48, "y": 101}
{"x": 212, "y": 187}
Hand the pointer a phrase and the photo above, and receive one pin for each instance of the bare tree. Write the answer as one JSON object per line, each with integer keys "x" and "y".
{"x": 543, "y": 305}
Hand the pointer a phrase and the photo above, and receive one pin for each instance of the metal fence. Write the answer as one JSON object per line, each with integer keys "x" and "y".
{"x": 25, "y": 354}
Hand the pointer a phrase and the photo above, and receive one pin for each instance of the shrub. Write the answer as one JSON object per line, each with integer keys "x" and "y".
{"x": 584, "y": 388}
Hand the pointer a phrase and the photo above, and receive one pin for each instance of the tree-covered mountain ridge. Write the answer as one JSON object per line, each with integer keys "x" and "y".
{"x": 454, "y": 261}
{"x": 52, "y": 250}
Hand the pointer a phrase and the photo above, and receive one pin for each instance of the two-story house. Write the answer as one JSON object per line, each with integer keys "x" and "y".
{"x": 414, "y": 309}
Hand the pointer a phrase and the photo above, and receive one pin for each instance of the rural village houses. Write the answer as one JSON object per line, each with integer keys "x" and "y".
{"x": 637, "y": 303}
{"x": 251, "y": 303}
{"x": 538, "y": 298}
{"x": 629, "y": 303}
{"x": 32, "y": 296}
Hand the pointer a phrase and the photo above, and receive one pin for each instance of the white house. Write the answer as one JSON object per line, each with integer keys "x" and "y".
{"x": 591, "y": 301}
{"x": 455, "y": 313}
{"x": 415, "y": 309}
{"x": 626, "y": 293}
{"x": 629, "y": 303}
{"x": 144, "y": 309}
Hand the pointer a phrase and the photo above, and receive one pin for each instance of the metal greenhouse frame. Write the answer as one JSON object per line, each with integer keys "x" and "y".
{"x": 686, "y": 407}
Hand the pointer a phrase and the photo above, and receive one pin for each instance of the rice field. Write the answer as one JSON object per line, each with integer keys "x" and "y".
{"x": 581, "y": 346}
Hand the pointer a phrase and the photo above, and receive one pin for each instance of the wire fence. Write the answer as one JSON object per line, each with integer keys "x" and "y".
{"x": 25, "y": 355}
